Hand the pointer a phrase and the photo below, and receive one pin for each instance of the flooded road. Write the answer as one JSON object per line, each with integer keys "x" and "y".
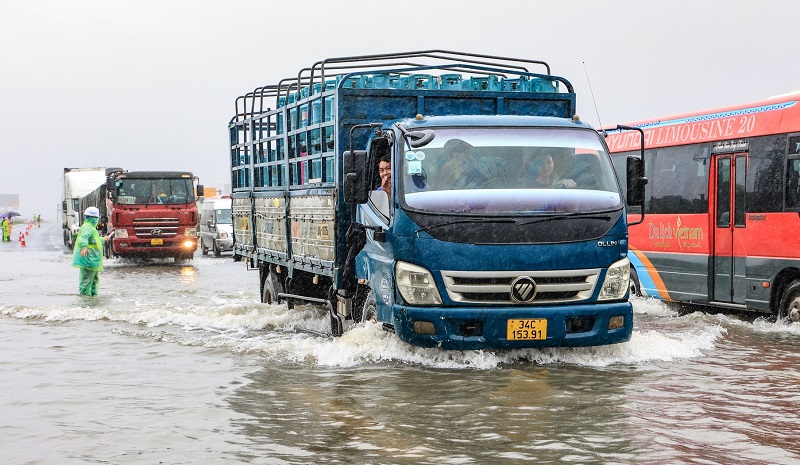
{"x": 181, "y": 364}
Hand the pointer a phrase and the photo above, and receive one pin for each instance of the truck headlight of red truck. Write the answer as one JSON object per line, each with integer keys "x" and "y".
{"x": 190, "y": 232}
{"x": 121, "y": 233}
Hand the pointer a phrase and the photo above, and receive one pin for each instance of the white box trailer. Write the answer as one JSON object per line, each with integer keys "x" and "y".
{"x": 76, "y": 183}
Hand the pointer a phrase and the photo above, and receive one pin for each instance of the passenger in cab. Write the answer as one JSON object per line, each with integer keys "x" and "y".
{"x": 385, "y": 173}
{"x": 380, "y": 196}
{"x": 458, "y": 168}
{"x": 541, "y": 169}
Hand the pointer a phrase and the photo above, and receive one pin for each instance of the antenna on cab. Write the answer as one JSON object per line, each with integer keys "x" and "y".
{"x": 592, "y": 92}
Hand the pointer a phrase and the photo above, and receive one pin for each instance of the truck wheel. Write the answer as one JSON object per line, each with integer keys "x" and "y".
{"x": 369, "y": 311}
{"x": 789, "y": 310}
{"x": 271, "y": 288}
{"x": 203, "y": 248}
{"x": 636, "y": 286}
{"x": 215, "y": 246}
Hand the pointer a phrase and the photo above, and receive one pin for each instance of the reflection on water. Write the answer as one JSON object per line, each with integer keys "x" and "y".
{"x": 187, "y": 275}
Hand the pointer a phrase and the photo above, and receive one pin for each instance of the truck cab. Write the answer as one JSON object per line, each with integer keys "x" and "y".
{"x": 152, "y": 213}
{"x": 489, "y": 221}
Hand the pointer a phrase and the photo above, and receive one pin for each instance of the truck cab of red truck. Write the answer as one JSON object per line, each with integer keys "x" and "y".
{"x": 152, "y": 213}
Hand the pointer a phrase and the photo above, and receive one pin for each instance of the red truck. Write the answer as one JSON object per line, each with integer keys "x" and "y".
{"x": 151, "y": 213}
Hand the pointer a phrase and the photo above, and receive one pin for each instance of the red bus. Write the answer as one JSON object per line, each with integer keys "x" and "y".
{"x": 722, "y": 207}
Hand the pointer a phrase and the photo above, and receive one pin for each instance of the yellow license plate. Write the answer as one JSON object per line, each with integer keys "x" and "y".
{"x": 527, "y": 329}
{"x": 156, "y": 241}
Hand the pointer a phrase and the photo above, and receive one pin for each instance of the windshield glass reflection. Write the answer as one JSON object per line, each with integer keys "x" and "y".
{"x": 491, "y": 170}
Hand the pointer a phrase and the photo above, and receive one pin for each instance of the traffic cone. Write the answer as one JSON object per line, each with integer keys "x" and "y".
{"x": 20, "y": 236}
{"x": 22, "y": 241}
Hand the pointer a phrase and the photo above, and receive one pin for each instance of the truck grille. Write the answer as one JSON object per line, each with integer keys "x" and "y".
{"x": 494, "y": 287}
{"x": 155, "y": 227}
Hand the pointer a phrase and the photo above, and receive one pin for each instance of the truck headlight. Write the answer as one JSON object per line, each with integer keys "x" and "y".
{"x": 121, "y": 233}
{"x": 190, "y": 232}
{"x": 416, "y": 284}
{"x": 617, "y": 280}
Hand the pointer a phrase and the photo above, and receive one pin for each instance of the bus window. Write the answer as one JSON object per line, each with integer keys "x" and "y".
{"x": 678, "y": 179}
{"x": 765, "y": 174}
{"x": 723, "y": 192}
{"x": 793, "y": 184}
{"x": 739, "y": 196}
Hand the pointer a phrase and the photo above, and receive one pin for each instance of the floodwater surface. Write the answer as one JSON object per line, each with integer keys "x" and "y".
{"x": 179, "y": 363}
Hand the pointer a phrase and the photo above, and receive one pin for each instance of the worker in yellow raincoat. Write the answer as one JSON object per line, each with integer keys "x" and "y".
{"x": 7, "y": 227}
{"x": 88, "y": 253}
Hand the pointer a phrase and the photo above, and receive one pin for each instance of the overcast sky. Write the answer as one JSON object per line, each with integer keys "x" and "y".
{"x": 150, "y": 85}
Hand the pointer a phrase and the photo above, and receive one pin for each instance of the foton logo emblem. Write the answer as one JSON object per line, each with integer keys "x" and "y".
{"x": 523, "y": 289}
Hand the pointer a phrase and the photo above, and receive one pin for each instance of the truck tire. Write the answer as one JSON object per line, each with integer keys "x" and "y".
{"x": 369, "y": 312}
{"x": 270, "y": 288}
{"x": 215, "y": 247}
{"x": 789, "y": 308}
{"x": 365, "y": 307}
{"x": 203, "y": 248}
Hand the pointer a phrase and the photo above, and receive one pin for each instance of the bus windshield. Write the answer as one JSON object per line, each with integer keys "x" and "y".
{"x": 509, "y": 170}
{"x": 133, "y": 191}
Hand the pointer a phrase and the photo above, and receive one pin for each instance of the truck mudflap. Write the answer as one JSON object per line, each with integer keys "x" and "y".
{"x": 471, "y": 328}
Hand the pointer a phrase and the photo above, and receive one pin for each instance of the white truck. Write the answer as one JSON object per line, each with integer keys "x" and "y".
{"x": 76, "y": 183}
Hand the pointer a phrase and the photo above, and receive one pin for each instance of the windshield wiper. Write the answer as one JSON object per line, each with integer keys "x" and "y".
{"x": 564, "y": 216}
{"x": 476, "y": 220}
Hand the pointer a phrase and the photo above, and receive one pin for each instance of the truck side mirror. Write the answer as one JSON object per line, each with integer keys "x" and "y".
{"x": 110, "y": 187}
{"x": 636, "y": 181}
{"x": 354, "y": 167}
{"x": 200, "y": 190}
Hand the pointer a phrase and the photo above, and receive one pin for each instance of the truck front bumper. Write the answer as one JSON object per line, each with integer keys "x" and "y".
{"x": 146, "y": 248}
{"x": 471, "y": 328}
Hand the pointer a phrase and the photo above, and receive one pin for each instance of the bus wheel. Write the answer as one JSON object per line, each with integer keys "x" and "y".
{"x": 789, "y": 310}
{"x": 636, "y": 287}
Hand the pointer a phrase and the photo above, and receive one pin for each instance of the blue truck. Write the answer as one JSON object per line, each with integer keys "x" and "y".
{"x": 454, "y": 198}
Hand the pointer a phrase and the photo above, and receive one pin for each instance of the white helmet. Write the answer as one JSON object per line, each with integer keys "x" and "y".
{"x": 92, "y": 211}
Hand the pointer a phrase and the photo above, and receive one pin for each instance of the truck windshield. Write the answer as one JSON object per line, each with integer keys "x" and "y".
{"x": 509, "y": 170}
{"x": 154, "y": 191}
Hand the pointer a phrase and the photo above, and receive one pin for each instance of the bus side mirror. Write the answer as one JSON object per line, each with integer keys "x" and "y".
{"x": 200, "y": 190}
{"x": 354, "y": 167}
{"x": 636, "y": 181}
